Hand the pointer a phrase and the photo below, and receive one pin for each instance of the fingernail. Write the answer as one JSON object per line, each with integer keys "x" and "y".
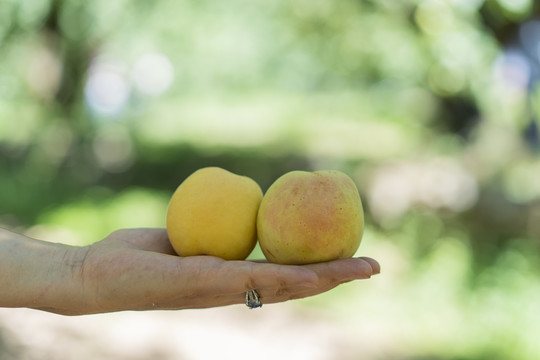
{"x": 375, "y": 266}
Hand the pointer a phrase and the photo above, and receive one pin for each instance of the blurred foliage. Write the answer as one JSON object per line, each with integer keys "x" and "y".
{"x": 430, "y": 105}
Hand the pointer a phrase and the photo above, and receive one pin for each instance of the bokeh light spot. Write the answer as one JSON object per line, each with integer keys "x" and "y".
{"x": 107, "y": 89}
{"x": 113, "y": 149}
{"x": 152, "y": 74}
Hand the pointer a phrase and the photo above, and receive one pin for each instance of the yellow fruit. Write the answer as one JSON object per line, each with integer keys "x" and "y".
{"x": 309, "y": 217}
{"x": 213, "y": 212}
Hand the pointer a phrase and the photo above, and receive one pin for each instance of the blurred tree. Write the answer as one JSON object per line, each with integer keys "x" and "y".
{"x": 419, "y": 67}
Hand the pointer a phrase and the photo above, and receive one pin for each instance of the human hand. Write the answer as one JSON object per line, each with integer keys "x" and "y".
{"x": 137, "y": 269}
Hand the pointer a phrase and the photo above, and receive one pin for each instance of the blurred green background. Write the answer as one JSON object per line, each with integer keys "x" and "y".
{"x": 429, "y": 105}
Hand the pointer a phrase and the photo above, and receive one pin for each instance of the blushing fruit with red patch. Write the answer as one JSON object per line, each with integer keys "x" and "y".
{"x": 310, "y": 217}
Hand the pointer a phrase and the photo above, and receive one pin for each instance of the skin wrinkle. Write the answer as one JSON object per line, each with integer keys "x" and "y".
{"x": 251, "y": 282}
{"x": 281, "y": 290}
{"x": 91, "y": 289}
{"x": 193, "y": 281}
{"x": 81, "y": 274}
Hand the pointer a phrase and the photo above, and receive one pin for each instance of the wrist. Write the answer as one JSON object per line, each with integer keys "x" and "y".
{"x": 63, "y": 292}
{"x": 40, "y": 275}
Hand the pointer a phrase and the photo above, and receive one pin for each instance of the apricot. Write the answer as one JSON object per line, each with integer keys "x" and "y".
{"x": 214, "y": 212}
{"x": 309, "y": 217}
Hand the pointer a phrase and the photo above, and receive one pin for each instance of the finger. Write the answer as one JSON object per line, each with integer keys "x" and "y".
{"x": 374, "y": 265}
{"x": 236, "y": 277}
{"x": 343, "y": 269}
{"x": 330, "y": 275}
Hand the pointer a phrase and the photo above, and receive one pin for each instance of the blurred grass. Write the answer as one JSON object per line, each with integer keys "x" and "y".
{"x": 101, "y": 212}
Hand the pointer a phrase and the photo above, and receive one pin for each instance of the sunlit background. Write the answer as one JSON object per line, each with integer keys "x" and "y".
{"x": 429, "y": 105}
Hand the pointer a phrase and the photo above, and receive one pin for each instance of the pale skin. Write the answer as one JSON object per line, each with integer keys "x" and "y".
{"x": 137, "y": 269}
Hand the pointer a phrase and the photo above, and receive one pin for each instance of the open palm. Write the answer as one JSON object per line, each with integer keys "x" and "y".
{"x": 137, "y": 269}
